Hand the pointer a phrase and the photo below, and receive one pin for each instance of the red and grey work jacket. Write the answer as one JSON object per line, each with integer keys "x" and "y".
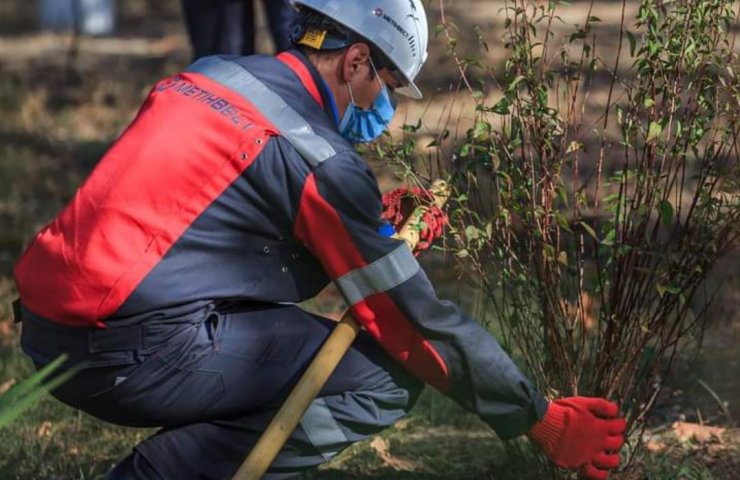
{"x": 233, "y": 183}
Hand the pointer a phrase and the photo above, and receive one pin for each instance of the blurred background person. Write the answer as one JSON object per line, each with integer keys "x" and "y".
{"x": 228, "y": 26}
{"x": 88, "y": 17}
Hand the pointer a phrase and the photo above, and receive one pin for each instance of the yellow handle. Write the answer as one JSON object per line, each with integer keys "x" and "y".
{"x": 290, "y": 414}
{"x": 322, "y": 366}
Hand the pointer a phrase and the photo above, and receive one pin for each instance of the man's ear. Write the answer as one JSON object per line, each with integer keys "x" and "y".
{"x": 357, "y": 57}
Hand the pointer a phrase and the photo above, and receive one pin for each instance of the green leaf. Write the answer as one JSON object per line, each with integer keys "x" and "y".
{"x": 514, "y": 83}
{"x": 580, "y": 34}
{"x": 562, "y": 194}
{"x": 653, "y": 47}
{"x": 589, "y": 230}
{"x": 502, "y": 106}
{"x": 666, "y": 213}
{"x": 663, "y": 289}
{"x": 609, "y": 238}
{"x": 633, "y": 42}
{"x": 472, "y": 233}
{"x": 33, "y": 381}
{"x": 24, "y": 395}
{"x": 481, "y": 129}
{"x": 673, "y": 289}
{"x": 562, "y": 222}
{"x": 654, "y": 131}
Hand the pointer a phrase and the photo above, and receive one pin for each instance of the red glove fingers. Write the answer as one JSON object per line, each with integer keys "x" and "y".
{"x": 599, "y": 468}
{"x": 617, "y": 426}
{"x": 599, "y": 406}
{"x": 600, "y": 465}
{"x": 605, "y": 461}
{"x": 614, "y": 442}
{"x": 582, "y": 433}
{"x": 593, "y": 473}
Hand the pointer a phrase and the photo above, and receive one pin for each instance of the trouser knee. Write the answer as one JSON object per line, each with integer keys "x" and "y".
{"x": 133, "y": 467}
{"x": 124, "y": 470}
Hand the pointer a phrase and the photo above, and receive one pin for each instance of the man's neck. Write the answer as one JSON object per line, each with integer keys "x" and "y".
{"x": 330, "y": 71}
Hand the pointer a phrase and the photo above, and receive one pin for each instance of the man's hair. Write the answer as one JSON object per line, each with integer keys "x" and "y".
{"x": 309, "y": 19}
{"x": 338, "y": 39}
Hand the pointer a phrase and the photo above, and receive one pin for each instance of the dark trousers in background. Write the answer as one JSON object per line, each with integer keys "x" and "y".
{"x": 228, "y": 26}
{"x": 214, "y": 379}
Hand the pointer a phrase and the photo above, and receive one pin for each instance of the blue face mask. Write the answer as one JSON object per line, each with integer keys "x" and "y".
{"x": 359, "y": 125}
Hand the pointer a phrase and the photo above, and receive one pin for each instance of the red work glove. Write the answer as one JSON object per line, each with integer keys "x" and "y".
{"x": 401, "y": 202}
{"x": 583, "y": 433}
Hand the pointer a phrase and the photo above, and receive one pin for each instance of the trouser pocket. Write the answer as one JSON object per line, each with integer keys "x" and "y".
{"x": 168, "y": 388}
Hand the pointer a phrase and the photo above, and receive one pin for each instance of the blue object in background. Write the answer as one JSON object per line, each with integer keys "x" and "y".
{"x": 90, "y": 17}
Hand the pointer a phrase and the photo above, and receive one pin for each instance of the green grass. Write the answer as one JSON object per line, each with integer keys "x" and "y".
{"x": 51, "y": 440}
{"x": 437, "y": 441}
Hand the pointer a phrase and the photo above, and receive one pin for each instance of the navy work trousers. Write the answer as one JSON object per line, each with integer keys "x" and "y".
{"x": 228, "y": 26}
{"x": 214, "y": 379}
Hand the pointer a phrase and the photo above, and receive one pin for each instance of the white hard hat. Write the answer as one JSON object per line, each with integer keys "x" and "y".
{"x": 398, "y": 28}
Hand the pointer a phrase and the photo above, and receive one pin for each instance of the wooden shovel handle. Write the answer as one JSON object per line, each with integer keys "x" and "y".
{"x": 322, "y": 366}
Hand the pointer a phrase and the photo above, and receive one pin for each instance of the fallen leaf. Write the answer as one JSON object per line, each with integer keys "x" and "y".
{"x": 382, "y": 448}
{"x": 655, "y": 446}
{"x": 7, "y": 385}
{"x": 685, "y": 431}
{"x": 6, "y": 332}
{"x": 402, "y": 424}
{"x": 44, "y": 429}
{"x": 717, "y": 450}
{"x": 586, "y": 310}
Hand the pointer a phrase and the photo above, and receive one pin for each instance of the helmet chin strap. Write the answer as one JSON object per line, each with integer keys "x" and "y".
{"x": 375, "y": 71}
{"x": 351, "y": 97}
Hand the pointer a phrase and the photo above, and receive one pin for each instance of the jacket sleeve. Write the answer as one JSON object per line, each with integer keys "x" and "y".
{"x": 339, "y": 222}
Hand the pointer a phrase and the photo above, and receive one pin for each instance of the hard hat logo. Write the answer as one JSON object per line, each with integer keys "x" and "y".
{"x": 401, "y": 35}
{"x": 409, "y": 38}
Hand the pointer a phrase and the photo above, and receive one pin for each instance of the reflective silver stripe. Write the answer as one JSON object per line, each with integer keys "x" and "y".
{"x": 323, "y": 430}
{"x": 292, "y": 126}
{"x": 380, "y": 276}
